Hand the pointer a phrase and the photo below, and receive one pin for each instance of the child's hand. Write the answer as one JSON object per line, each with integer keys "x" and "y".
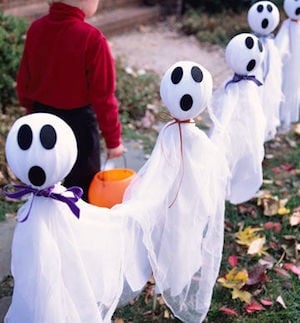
{"x": 115, "y": 152}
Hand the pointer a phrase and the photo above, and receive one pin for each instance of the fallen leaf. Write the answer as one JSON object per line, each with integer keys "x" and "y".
{"x": 283, "y": 211}
{"x": 228, "y": 311}
{"x": 276, "y": 170}
{"x": 234, "y": 278}
{"x": 256, "y": 275}
{"x": 268, "y": 181}
{"x": 268, "y": 262}
{"x": 279, "y": 183}
{"x": 293, "y": 268}
{"x": 287, "y": 167}
{"x": 282, "y": 272}
{"x": 269, "y": 203}
{"x": 246, "y": 209}
{"x": 233, "y": 261}
{"x": 273, "y": 225}
{"x": 247, "y": 236}
{"x": 277, "y": 227}
{"x": 266, "y": 302}
{"x": 257, "y": 246}
{"x": 253, "y": 307}
{"x": 269, "y": 225}
{"x": 295, "y": 218}
{"x": 244, "y": 296}
{"x": 280, "y": 300}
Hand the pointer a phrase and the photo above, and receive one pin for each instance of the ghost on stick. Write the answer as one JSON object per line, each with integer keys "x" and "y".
{"x": 237, "y": 106}
{"x": 181, "y": 190}
{"x": 263, "y": 18}
{"x": 67, "y": 255}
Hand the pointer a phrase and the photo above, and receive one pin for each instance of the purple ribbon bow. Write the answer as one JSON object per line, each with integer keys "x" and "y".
{"x": 237, "y": 77}
{"x": 22, "y": 190}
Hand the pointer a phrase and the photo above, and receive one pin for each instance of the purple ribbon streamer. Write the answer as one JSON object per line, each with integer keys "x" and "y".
{"x": 22, "y": 190}
{"x": 237, "y": 77}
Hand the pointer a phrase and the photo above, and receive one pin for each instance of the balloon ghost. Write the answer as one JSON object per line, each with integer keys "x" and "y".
{"x": 238, "y": 108}
{"x": 263, "y": 18}
{"x": 67, "y": 263}
{"x": 288, "y": 43}
{"x": 181, "y": 191}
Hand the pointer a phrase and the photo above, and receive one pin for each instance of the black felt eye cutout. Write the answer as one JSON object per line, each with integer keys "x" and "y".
{"x": 249, "y": 42}
{"x": 269, "y": 8}
{"x": 297, "y": 11}
{"x": 48, "y": 137}
{"x": 25, "y": 137}
{"x": 186, "y": 102}
{"x": 176, "y": 75}
{"x": 251, "y": 65}
{"x": 260, "y": 8}
{"x": 197, "y": 74}
{"x": 260, "y": 46}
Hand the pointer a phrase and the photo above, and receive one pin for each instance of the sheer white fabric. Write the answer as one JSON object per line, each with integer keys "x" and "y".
{"x": 71, "y": 270}
{"x": 178, "y": 198}
{"x": 270, "y": 74}
{"x": 287, "y": 41}
{"x": 238, "y": 108}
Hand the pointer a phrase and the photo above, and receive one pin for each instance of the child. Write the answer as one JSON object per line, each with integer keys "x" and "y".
{"x": 67, "y": 69}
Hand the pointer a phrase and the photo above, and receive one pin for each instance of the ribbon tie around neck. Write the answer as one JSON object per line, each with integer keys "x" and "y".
{"x": 21, "y": 190}
{"x": 164, "y": 116}
{"x": 237, "y": 78}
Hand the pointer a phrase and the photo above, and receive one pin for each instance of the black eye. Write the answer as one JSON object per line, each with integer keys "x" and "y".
{"x": 260, "y": 46}
{"x": 297, "y": 11}
{"x": 260, "y": 8}
{"x": 197, "y": 74}
{"x": 176, "y": 75}
{"x": 269, "y": 8}
{"x": 251, "y": 65}
{"x": 249, "y": 42}
{"x": 48, "y": 137}
{"x": 25, "y": 137}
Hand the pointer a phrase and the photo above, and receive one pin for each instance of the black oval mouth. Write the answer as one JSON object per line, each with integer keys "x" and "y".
{"x": 37, "y": 176}
{"x": 186, "y": 102}
{"x": 265, "y": 23}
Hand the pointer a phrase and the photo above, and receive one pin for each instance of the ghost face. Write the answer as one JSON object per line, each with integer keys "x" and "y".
{"x": 292, "y": 8}
{"x": 244, "y": 53}
{"x": 263, "y": 17}
{"x": 40, "y": 149}
{"x": 186, "y": 89}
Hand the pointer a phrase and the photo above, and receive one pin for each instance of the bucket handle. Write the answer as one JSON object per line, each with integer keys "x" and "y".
{"x": 124, "y": 161}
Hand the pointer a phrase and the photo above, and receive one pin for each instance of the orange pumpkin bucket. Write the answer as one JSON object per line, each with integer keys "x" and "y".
{"x": 107, "y": 187}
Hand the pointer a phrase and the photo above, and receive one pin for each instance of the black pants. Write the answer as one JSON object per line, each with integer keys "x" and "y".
{"x": 84, "y": 125}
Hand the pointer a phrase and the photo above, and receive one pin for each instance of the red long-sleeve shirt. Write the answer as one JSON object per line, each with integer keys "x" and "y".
{"x": 67, "y": 64}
